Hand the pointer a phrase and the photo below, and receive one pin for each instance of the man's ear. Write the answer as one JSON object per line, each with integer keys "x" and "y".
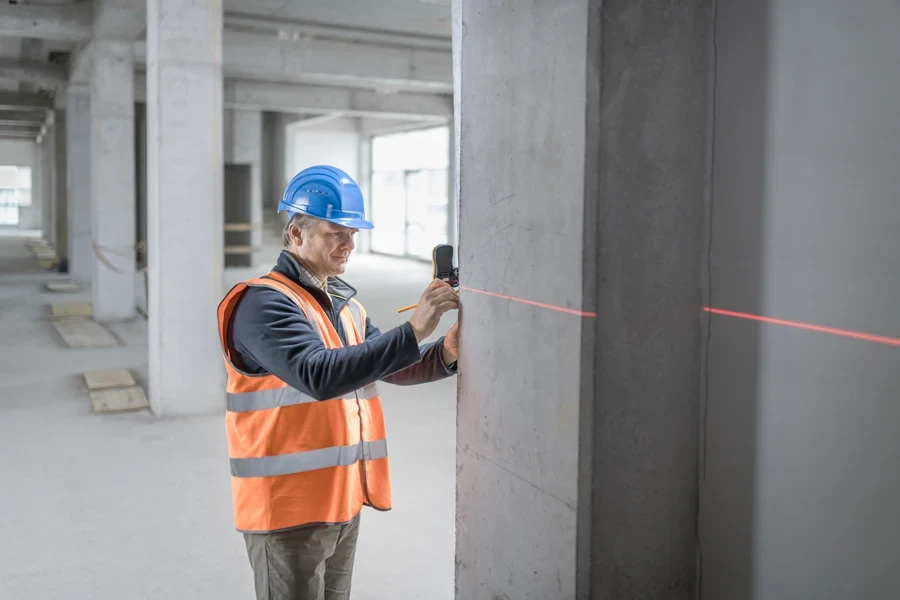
{"x": 296, "y": 234}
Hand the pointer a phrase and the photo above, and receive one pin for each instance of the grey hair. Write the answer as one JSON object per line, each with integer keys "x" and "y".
{"x": 304, "y": 222}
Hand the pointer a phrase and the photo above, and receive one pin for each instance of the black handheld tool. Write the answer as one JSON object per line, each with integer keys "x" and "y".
{"x": 442, "y": 265}
{"x": 441, "y": 268}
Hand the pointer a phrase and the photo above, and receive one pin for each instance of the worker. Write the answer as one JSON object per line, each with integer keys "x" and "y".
{"x": 304, "y": 423}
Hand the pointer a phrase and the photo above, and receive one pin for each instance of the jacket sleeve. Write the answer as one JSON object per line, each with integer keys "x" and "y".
{"x": 270, "y": 331}
{"x": 430, "y": 368}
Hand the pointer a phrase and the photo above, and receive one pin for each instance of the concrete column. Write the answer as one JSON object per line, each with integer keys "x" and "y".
{"x": 112, "y": 175}
{"x": 61, "y": 223}
{"x": 78, "y": 176}
{"x": 580, "y": 256}
{"x": 48, "y": 182}
{"x": 185, "y": 205}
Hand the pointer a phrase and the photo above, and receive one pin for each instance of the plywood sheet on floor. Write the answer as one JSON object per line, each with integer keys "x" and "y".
{"x": 85, "y": 334}
{"x": 68, "y": 310}
{"x": 62, "y": 287}
{"x": 109, "y": 378}
{"x": 123, "y": 399}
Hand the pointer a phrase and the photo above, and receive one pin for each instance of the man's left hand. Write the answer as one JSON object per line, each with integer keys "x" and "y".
{"x": 450, "y": 350}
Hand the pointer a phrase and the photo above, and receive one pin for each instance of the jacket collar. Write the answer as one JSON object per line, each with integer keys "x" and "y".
{"x": 338, "y": 289}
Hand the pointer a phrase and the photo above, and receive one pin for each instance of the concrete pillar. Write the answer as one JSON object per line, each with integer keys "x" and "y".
{"x": 112, "y": 176}
{"x": 61, "y": 223}
{"x": 580, "y": 256}
{"x": 185, "y": 205}
{"x": 78, "y": 177}
{"x": 48, "y": 182}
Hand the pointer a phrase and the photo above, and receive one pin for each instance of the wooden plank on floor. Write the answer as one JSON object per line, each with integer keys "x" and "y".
{"x": 62, "y": 287}
{"x": 85, "y": 334}
{"x": 68, "y": 310}
{"x": 109, "y": 378}
{"x": 119, "y": 400}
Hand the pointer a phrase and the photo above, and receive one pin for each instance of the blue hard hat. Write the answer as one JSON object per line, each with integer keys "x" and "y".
{"x": 326, "y": 193}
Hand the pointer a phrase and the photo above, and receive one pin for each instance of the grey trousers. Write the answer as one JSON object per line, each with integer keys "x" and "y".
{"x": 309, "y": 563}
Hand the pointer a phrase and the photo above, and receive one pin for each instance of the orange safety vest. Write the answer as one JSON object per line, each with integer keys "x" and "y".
{"x": 296, "y": 460}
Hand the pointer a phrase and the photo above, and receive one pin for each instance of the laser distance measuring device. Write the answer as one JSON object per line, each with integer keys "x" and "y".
{"x": 441, "y": 268}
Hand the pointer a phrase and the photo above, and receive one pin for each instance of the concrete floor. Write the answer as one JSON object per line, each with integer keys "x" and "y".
{"x": 129, "y": 506}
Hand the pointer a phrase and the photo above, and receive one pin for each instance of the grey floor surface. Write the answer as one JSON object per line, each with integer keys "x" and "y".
{"x": 129, "y": 506}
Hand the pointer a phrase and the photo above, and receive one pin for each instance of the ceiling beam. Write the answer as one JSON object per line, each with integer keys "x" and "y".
{"x": 65, "y": 22}
{"x": 254, "y": 57}
{"x": 18, "y": 133}
{"x": 295, "y": 29}
{"x": 17, "y": 101}
{"x": 378, "y": 126}
{"x": 27, "y": 71}
{"x": 19, "y": 125}
{"x": 320, "y": 100}
{"x": 317, "y": 100}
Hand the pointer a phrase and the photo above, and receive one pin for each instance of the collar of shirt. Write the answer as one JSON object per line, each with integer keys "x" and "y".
{"x": 322, "y": 285}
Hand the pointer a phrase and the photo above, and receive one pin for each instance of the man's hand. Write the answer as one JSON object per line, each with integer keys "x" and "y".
{"x": 450, "y": 351}
{"x": 437, "y": 299}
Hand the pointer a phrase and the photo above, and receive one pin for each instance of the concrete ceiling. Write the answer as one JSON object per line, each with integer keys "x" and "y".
{"x": 383, "y": 46}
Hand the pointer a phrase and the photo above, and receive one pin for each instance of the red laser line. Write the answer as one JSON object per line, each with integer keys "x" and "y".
{"x": 878, "y": 339}
{"x": 570, "y": 311}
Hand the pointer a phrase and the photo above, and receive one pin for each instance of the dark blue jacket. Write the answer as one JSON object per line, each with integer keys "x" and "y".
{"x": 270, "y": 334}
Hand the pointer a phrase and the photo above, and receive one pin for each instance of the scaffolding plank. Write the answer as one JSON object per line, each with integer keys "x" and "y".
{"x": 85, "y": 334}
{"x": 109, "y": 378}
{"x": 68, "y": 310}
{"x": 119, "y": 400}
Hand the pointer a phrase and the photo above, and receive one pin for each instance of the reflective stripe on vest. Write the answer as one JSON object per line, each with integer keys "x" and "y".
{"x": 299, "y": 462}
{"x": 295, "y": 460}
{"x": 286, "y": 396}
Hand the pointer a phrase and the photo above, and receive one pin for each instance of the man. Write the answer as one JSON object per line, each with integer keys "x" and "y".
{"x": 304, "y": 422}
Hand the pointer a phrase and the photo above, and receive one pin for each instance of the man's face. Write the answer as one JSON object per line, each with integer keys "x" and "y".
{"x": 325, "y": 248}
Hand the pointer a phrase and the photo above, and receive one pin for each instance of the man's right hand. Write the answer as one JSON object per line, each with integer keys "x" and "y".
{"x": 437, "y": 299}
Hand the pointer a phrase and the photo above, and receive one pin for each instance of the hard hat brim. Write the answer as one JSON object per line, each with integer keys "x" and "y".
{"x": 351, "y": 223}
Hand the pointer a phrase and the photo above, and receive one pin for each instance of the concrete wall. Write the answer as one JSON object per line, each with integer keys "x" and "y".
{"x": 280, "y": 166}
{"x": 800, "y": 493}
{"x": 244, "y": 146}
{"x": 24, "y": 154}
{"x": 334, "y": 142}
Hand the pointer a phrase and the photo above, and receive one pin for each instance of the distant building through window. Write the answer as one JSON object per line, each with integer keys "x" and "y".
{"x": 410, "y": 192}
{"x": 15, "y": 192}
